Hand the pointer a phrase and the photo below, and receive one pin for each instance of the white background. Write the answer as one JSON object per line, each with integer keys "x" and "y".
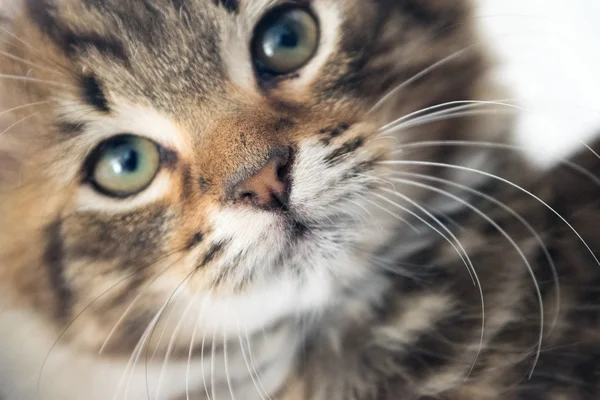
{"x": 550, "y": 58}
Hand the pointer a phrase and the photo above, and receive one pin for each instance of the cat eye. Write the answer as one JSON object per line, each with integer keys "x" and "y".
{"x": 285, "y": 40}
{"x": 123, "y": 165}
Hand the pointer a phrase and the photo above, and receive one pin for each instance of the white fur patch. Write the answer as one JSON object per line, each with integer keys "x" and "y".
{"x": 68, "y": 375}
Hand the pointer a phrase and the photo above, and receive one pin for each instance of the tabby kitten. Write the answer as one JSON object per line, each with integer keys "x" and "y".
{"x": 279, "y": 199}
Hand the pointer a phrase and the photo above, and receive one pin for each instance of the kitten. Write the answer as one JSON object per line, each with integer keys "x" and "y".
{"x": 292, "y": 199}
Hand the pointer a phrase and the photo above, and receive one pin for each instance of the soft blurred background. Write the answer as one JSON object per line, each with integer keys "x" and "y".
{"x": 549, "y": 53}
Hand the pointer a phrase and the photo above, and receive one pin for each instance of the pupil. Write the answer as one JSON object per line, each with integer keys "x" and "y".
{"x": 130, "y": 161}
{"x": 287, "y": 37}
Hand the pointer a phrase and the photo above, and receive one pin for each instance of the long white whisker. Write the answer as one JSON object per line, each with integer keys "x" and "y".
{"x": 495, "y": 145}
{"x": 367, "y": 213}
{"x": 135, "y": 299}
{"x": 395, "y": 269}
{"x": 192, "y": 341}
{"x": 135, "y": 355}
{"x": 377, "y": 179}
{"x": 459, "y": 250}
{"x": 213, "y": 387}
{"x": 147, "y": 336}
{"x": 521, "y": 219}
{"x": 419, "y": 75}
{"x": 465, "y": 104}
{"x": 393, "y": 214}
{"x": 443, "y": 116}
{"x": 504, "y": 180}
{"x": 253, "y": 364}
{"x": 202, "y": 366}
{"x": 508, "y": 238}
{"x": 250, "y": 371}
{"x": 171, "y": 345}
{"x": 162, "y": 334}
{"x": 119, "y": 322}
{"x": 100, "y": 296}
{"x": 590, "y": 149}
{"x": 466, "y": 260}
{"x": 173, "y": 295}
{"x": 226, "y": 365}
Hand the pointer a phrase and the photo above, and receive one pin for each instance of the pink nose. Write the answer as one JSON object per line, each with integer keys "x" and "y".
{"x": 269, "y": 188}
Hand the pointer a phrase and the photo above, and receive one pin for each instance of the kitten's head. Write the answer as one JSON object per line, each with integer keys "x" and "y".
{"x": 216, "y": 160}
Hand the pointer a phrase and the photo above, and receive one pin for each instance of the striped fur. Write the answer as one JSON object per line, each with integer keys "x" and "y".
{"x": 396, "y": 271}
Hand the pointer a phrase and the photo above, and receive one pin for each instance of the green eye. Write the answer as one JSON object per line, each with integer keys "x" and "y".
{"x": 123, "y": 165}
{"x": 285, "y": 40}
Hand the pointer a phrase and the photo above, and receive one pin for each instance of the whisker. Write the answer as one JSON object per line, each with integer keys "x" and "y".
{"x": 495, "y": 145}
{"x": 381, "y": 136}
{"x": 192, "y": 341}
{"x": 202, "y": 365}
{"x": 226, "y": 363}
{"x": 504, "y": 180}
{"x": 253, "y": 364}
{"x": 37, "y": 103}
{"x": 590, "y": 149}
{"x": 119, "y": 322}
{"x": 162, "y": 334}
{"x": 394, "y": 267}
{"x": 393, "y": 214}
{"x": 250, "y": 370}
{"x": 175, "y": 292}
{"x": 377, "y": 179}
{"x": 213, "y": 387}
{"x": 87, "y": 307}
{"x": 28, "y": 45}
{"x": 508, "y": 238}
{"x": 29, "y": 79}
{"x": 30, "y": 63}
{"x": 419, "y": 75}
{"x": 466, "y": 104}
{"x": 135, "y": 355}
{"x": 466, "y": 260}
{"x": 521, "y": 219}
{"x": 146, "y": 338}
{"x": 135, "y": 299}
{"x": 434, "y": 66}
{"x": 367, "y": 213}
{"x": 20, "y": 121}
{"x": 443, "y": 116}
{"x": 171, "y": 345}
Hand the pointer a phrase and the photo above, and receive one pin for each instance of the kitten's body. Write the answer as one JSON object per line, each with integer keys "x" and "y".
{"x": 426, "y": 344}
{"x": 371, "y": 285}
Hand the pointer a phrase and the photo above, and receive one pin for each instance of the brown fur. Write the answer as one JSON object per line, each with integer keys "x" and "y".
{"x": 89, "y": 269}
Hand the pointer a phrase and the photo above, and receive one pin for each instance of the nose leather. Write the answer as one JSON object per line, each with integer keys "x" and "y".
{"x": 269, "y": 188}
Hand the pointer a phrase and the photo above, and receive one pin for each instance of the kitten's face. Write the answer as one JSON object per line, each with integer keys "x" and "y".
{"x": 217, "y": 158}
